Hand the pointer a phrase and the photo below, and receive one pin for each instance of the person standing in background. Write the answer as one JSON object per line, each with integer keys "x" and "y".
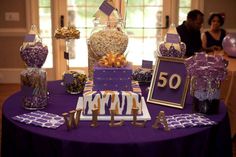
{"x": 212, "y": 39}
{"x": 189, "y": 32}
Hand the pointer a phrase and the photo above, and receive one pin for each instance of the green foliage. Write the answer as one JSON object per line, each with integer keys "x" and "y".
{"x": 44, "y": 3}
{"x": 184, "y": 3}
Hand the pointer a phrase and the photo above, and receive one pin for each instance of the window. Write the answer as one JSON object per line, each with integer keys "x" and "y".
{"x": 45, "y": 26}
{"x": 80, "y": 14}
{"x": 144, "y": 33}
{"x": 184, "y": 8}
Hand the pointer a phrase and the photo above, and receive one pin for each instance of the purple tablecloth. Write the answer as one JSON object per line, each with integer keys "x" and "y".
{"x": 19, "y": 139}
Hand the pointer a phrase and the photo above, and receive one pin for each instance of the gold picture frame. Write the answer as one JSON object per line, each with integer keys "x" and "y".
{"x": 170, "y": 82}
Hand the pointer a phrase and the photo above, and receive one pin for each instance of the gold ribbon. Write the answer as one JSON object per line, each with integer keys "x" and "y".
{"x": 113, "y": 60}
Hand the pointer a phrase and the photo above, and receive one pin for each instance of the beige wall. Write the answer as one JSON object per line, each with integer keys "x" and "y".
{"x": 226, "y": 6}
{"x": 9, "y": 52}
{"x": 13, "y": 6}
{"x": 10, "y": 45}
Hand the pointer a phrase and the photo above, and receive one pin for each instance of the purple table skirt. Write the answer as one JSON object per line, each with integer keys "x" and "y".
{"x": 19, "y": 139}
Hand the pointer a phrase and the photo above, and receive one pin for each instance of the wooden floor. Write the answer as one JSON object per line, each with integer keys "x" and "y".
{"x": 8, "y": 89}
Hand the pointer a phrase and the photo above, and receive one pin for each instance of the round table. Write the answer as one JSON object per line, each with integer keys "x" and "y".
{"x": 19, "y": 139}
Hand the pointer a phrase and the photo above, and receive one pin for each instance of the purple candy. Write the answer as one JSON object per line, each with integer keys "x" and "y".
{"x": 171, "y": 51}
{"x": 212, "y": 67}
{"x": 207, "y": 72}
{"x": 34, "y": 55}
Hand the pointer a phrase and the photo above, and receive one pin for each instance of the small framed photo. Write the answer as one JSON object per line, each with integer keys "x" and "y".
{"x": 169, "y": 84}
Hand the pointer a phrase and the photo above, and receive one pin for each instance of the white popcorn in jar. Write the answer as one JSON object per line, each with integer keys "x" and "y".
{"x": 108, "y": 40}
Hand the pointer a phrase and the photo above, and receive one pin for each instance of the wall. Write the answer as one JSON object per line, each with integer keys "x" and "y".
{"x": 226, "y": 6}
{"x": 10, "y": 39}
{"x": 9, "y": 52}
{"x": 13, "y": 6}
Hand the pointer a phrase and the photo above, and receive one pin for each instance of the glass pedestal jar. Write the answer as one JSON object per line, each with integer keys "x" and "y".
{"x": 106, "y": 37}
{"x": 34, "y": 88}
{"x": 206, "y": 95}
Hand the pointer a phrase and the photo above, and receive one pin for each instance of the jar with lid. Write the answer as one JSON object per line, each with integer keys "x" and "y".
{"x": 107, "y": 36}
{"x": 172, "y": 45}
{"x": 33, "y": 78}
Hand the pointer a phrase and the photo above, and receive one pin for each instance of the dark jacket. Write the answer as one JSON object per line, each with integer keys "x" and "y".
{"x": 192, "y": 39}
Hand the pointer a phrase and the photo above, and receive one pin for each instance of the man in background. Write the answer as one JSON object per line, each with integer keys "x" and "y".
{"x": 189, "y": 32}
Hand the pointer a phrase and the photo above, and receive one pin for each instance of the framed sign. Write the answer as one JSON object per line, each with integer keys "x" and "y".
{"x": 169, "y": 83}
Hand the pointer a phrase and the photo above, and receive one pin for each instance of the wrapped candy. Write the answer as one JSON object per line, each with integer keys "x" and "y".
{"x": 67, "y": 33}
{"x": 142, "y": 75}
{"x": 206, "y": 72}
{"x": 34, "y": 55}
{"x": 74, "y": 82}
{"x": 203, "y": 65}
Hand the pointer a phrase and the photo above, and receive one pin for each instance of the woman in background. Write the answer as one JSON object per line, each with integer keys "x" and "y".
{"x": 212, "y": 39}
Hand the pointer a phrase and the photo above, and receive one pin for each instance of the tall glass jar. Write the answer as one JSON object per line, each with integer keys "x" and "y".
{"x": 33, "y": 78}
{"x": 106, "y": 36}
{"x": 34, "y": 88}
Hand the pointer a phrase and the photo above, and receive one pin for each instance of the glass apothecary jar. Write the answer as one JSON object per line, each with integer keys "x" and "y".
{"x": 106, "y": 37}
{"x": 33, "y": 79}
{"x": 34, "y": 88}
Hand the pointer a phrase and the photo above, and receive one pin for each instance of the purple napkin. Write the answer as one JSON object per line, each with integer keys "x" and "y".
{"x": 41, "y": 118}
{"x": 188, "y": 120}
